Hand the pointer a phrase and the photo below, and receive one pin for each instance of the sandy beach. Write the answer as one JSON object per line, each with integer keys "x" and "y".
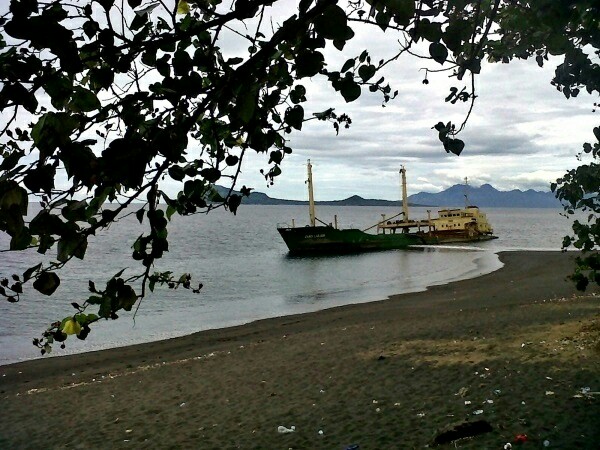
{"x": 518, "y": 348}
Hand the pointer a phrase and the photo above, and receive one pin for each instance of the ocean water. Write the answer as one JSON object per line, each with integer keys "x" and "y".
{"x": 248, "y": 275}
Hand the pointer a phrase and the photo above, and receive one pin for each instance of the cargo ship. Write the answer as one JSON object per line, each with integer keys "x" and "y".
{"x": 451, "y": 226}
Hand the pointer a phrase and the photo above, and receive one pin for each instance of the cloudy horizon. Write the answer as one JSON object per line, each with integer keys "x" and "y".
{"x": 522, "y": 133}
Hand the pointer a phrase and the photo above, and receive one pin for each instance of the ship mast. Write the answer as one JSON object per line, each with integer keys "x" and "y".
{"x": 404, "y": 195}
{"x": 466, "y": 190}
{"x": 311, "y": 197}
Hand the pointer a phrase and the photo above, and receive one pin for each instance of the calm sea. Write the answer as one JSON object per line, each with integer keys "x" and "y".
{"x": 247, "y": 274}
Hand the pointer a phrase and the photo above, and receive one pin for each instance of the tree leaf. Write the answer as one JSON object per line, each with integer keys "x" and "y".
{"x": 366, "y": 72}
{"x": 126, "y": 297}
{"x": 71, "y": 244}
{"x": 46, "y": 283}
{"x": 348, "y": 65}
{"x": 177, "y": 173}
{"x": 350, "y": 90}
{"x": 438, "y": 52}
{"x": 29, "y": 272}
{"x": 233, "y": 202}
{"x": 140, "y": 215}
{"x": 455, "y": 146}
{"x": 332, "y": 23}
{"x": 402, "y": 10}
{"x": 210, "y": 174}
{"x": 308, "y": 64}
{"x": 294, "y": 117}
{"x": 13, "y": 195}
{"x": 383, "y": 19}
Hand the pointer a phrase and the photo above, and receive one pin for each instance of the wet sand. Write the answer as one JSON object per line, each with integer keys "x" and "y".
{"x": 518, "y": 348}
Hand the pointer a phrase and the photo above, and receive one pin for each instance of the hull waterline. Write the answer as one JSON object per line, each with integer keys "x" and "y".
{"x": 328, "y": 240}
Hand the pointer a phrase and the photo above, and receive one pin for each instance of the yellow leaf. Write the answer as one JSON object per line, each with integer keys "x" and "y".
{"x": 183, "y": 7}
{"x": 71, "y": 326}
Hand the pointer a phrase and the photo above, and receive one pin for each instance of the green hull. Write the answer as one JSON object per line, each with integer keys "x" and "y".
{"x": 328, "y": 240}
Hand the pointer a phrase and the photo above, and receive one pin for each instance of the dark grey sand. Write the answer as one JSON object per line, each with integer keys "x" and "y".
{"x": 520, "y": 345}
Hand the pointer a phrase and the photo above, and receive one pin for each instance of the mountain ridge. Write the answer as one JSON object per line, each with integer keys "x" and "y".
{"x": 484, "y": 196}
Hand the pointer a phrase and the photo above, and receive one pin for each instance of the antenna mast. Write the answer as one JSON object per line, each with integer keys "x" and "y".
{"x": 404, "y": 195}
{"x": 311, "y": 198}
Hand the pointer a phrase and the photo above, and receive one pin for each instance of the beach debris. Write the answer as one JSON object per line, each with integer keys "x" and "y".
{"x": 520, "y": 438}
{"x": 322, "y": 391}
{"x": 463, "y": 430}
{"x": 352, "y": 447}
{"x": 549, "y": 392}
{"x": 284, "y": 430}
{"x": 477, "y": 412}
{"x": 462, "y": 391}
{"x": 320, "y": 432}
{"x": 546, "y": 443}
{"x": 128, "y": 431}
{"x": 467, "y": 402}
{"x": 507, "y": 446}
{"x": 585, "y": 392}
{"x": 375, "y": 402}
{"x": 182, "y": 405}
{"x": 421, "y": 414}
{"x": 497, "y": 391}
{"x": 488, "y": 401}
{"x": 377, "y": 409}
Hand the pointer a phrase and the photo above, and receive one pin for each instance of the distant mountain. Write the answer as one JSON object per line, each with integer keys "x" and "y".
{"x": 487, "y": 196}
{"x": 260, "y": 198}
{"x": 484, "y": 196}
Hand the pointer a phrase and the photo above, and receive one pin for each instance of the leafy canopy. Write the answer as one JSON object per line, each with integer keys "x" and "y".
{"x": 104, "y": 102}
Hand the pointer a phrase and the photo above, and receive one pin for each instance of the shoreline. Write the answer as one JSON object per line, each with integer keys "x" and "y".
{"x": 213, "y": 333}
{"x": 484, "y": 261}
{"x": 384, "y": 374}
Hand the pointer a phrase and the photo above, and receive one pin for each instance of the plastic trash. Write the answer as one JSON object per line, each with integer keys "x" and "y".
{"x": 321, "y": 432}
{"x": 352, "y": 447}
{"x": 507, "y": 446}
{"x": 477, "y": 412}
{"x": 520, "y": 438}
{"x": 462, "y": 391}
{"x": 283, "y": 430}
{"x": 546, "y": 443}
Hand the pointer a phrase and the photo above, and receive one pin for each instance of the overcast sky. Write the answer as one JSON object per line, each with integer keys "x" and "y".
{"x": 522, "y": 134}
